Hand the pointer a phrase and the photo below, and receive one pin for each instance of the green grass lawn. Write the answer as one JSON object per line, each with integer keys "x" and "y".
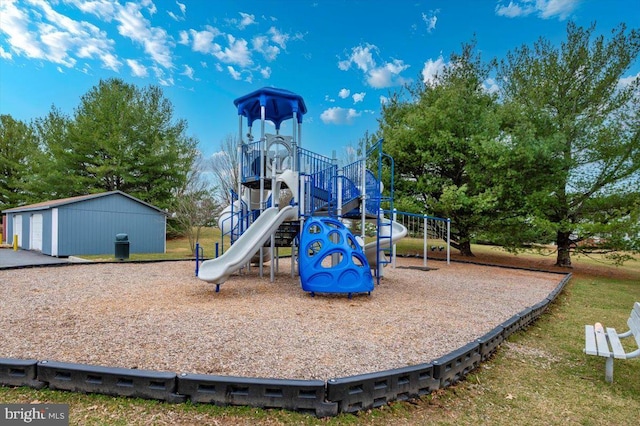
{"x": 539, "y": 376}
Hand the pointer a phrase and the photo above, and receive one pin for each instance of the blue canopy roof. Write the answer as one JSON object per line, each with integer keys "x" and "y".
{"x": 280, "y": 105}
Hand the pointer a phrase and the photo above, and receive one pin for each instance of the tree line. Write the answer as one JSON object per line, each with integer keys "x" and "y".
{"x": 552, "y": 154}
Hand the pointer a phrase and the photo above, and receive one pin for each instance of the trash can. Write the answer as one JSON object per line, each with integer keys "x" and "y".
{"x": 122, "y": 246}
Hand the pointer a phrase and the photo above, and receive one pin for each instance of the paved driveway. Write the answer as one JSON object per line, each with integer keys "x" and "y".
{"x": 11, "y": 258}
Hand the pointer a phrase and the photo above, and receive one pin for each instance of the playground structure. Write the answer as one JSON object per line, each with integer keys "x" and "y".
{"x": 289, "y": 196}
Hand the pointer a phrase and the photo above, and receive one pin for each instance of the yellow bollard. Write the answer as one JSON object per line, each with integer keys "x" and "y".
{"x": 15, "y": 242}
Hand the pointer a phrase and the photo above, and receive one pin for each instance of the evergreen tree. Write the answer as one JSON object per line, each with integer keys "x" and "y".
{"x": 17, "y": 146}
{"x": 570, "y": 104}
{"x": 438, "y": 137}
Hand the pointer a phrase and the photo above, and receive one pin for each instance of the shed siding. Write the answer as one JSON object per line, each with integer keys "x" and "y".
{"x": 46, "y": 231}
{"x": 90, "y": 226}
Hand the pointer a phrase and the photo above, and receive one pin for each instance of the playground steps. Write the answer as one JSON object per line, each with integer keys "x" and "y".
{"x": 286, "y": 233}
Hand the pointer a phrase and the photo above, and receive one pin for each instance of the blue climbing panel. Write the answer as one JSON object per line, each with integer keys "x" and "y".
{"x": 331, "y": 260}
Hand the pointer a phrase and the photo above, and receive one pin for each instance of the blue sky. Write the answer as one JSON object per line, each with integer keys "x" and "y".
{"x": 343, "y": 57}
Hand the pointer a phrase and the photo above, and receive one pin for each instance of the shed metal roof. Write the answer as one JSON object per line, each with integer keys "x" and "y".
{"x": 71, "y": 200}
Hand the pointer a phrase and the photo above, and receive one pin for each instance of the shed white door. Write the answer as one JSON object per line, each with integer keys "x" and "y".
{"x": 17, "y": 228}
{"x": 35, "y": 237}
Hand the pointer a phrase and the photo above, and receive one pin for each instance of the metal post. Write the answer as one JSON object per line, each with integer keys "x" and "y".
{"x": 339, "y": 190}
{"x": 608, "y": 369}
{"x": 271, "y": 264}
{"x": 393, "y": 251}
{"x": 240, "y": 171}
{"x": 424, "y": 242}
{"x": 448, "y": 241}
{"x": 363, "y": 182}
{"x": 197, "y": 259}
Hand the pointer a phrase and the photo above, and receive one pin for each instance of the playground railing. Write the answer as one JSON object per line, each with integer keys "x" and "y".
{"x": 434, "y": 231}
{"x": 374, "y": 196}
{"x": 250, "y": 161}
{"x": 351, "y": 176}
{"x": 310, "y": 163}
{"x": 320, "y": 191}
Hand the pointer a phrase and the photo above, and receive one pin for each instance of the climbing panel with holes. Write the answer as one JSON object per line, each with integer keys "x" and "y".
{"x": 331, "y": 260}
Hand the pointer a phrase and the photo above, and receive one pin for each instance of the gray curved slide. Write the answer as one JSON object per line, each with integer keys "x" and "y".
{"x": 218, "y": 270}
{"x": 398, "y": 231}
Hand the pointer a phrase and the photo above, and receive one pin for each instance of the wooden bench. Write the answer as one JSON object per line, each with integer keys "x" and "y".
{"x": 606, "y": 343}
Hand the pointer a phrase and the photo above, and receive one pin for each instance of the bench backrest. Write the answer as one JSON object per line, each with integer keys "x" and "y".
{"x": 634, "y": 322}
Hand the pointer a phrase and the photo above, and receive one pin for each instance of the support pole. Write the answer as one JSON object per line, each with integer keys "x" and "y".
{"x": 393, "y": 251}
{"x": 608, "y": 369}
{"x": 424, "y": 241}
{"x": 263, "y": 142}
{"x": 448, "y": 241}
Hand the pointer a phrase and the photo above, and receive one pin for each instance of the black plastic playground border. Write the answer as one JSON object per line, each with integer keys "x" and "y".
{"x": 322, "y": 399}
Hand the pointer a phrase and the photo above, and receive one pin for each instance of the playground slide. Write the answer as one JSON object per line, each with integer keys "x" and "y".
{"x": 218, "y": 270}
{"x": 398, "y": 231}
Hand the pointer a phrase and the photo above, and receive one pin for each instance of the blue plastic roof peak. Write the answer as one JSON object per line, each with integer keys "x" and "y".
{"x": 280, "y": 105}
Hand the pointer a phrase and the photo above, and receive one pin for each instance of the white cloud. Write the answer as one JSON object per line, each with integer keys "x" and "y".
{"x": 203, "y": 64}
{"x": 151, "y": 7}
{"x": 344, "y": 93}
{"x": 183, "y": 7}
{"x": 160, "y": 75}
{"x": 184, "y": 38}
{"x": 278, "y": 38}
{"x": 4, "y": 54}
{"x": 377, "y": 76}
{"x": 135, "y": 26}
{"x": 626, "y": 81}
{"x": 234, "y": 74}
{"x": 387, "y": 75}
{"x": 430, "y": 19}
{"x": 265, "y": 72}
{"x": 431, "y": 69}
{"x": 137, "y": 69}
{"x": 544, "y": 9}
{"x": 173, "y": 16}
{"x": 361, "y": 56}
{"x": 188, "y": 71}
{"x": 236, "y": 53}
{"x": 102, "y": 8}
{"x": 383, "y": 100}
{"x": 337, "y": 115}
{"x": 246, "y": 20}
{"x": 40, "y": 32}
{"x": 261, "y": 45}
{"x": 15, "y": 24}
{"x": 203, "y": 40}
{"x": 490, "y": 86}
{"x": 358, "y": 97}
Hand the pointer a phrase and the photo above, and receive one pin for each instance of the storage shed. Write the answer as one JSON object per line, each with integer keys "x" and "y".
{"x": 87, "y": 224}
